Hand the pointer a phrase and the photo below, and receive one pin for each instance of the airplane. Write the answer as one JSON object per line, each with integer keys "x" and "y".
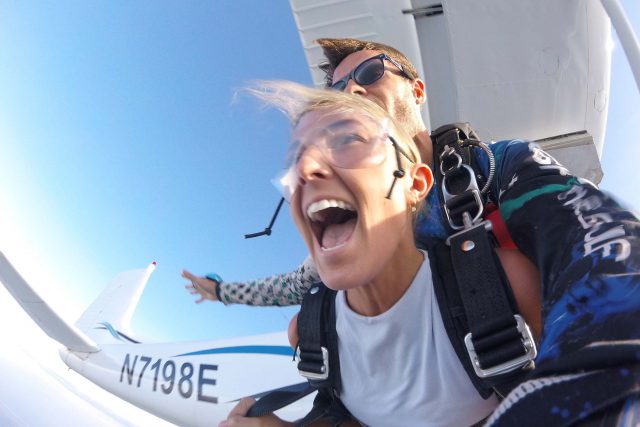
{"x": 187, "y": 383}
{"x": 197, "y": 383}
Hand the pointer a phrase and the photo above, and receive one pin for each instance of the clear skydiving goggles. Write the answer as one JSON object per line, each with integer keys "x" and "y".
{"x": 346, "y": 144}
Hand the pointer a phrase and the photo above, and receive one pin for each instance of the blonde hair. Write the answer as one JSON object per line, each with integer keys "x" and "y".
{"x": 295, "y": 100}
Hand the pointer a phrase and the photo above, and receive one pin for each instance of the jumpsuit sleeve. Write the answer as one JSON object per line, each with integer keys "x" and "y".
{"x": 279, "y": 290}
{"x": 587, "y": 248}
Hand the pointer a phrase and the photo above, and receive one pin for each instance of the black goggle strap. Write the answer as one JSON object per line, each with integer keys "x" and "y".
{"x": 399, "y": 172}
{"x": 267, "y": 231}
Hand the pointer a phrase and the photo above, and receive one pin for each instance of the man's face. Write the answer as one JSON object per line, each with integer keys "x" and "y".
{"x": 393, "y": 92}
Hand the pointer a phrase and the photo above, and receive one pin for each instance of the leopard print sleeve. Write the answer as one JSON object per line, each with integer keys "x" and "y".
{"x": 279, "y": 290}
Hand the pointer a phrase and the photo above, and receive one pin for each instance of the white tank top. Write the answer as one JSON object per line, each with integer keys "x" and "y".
{"x": 399, "y": 368}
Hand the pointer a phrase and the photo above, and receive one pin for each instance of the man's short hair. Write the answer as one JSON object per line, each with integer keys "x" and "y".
{"x": 335, "y": 50}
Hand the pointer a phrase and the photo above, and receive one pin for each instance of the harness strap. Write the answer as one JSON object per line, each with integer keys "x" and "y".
{"x": 452, "y": 310}
{"x": 326, "y": 407}
{"x": 318, "y": 339}
{"x": 318, "y": 355}
{"x": 497, "y": 341}
{"x": 318, "y": 361}
{"x": 280, "y": 398}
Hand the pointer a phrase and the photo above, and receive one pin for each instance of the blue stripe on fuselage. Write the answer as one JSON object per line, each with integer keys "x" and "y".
{"x": 277, "y": 350}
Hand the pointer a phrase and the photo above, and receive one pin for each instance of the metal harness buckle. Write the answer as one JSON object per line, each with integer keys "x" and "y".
{"x": 470, "y": 196}
{"x": 320, "y": 371}
{"x": 510, "y": 365}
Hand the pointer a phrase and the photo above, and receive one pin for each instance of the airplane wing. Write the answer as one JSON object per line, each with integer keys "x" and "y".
{"x": 41, "y": 313}
{"x": 538, "y": 70}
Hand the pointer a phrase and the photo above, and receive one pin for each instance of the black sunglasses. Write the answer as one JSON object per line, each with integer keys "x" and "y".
{"x": 368, "y": 72}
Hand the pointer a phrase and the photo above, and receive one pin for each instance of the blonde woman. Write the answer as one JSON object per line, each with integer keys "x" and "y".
{"x": 356, "y": 216}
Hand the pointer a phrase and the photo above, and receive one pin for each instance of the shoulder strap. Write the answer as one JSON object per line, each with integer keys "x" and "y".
{"x": 452, "y": 310}
{"x": 463, "y": 187}
{"x": 479, "y": 311}
{"x": 318, "y": 361}
{"x": 318, "y": 339}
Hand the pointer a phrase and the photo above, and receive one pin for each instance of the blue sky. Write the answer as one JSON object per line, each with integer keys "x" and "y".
{"x": 120, "y": 144}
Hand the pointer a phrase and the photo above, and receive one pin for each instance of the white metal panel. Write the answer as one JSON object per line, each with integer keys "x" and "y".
{"x": 573, "y": 151}
{"x": 528, "y": 68}
{"x": 437, "y": 62}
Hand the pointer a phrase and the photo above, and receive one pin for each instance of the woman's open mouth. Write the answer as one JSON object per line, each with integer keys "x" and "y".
{"x": 332, "y": 222}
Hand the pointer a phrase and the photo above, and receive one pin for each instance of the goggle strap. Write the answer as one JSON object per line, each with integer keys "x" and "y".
{"x": 398, "y": 173}
{"x": 267, "y": 231}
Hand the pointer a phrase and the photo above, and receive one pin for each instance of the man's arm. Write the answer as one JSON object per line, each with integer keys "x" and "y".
{"x": 585, "y": 244}
{"x": 587, "y": 249}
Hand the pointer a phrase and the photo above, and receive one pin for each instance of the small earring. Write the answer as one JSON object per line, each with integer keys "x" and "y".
{"x": 413, "y": 209}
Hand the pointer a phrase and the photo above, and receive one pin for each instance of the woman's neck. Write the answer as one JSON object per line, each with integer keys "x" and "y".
{"x": 389, "y": 286}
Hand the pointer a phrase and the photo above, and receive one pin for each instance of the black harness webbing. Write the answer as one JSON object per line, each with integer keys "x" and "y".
{"x": 487, "y": 304}
{"x": 499, "y": 343}
{"x": 497, "y": 340}
{"x": 452, "y": 310}
{"x": 318, "y": 361}
{"x": 279, "y": 399}
{"x": 316, "y": 327}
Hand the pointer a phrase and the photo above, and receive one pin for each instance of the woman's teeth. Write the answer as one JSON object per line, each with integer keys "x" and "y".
{"x": 315, "y": 210}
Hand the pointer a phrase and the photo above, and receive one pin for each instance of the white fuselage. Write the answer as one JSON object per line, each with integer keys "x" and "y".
{"x": 191, "y": 383}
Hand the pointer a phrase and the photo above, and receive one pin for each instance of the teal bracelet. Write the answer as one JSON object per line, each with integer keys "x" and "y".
{"x": 216, "y": 278}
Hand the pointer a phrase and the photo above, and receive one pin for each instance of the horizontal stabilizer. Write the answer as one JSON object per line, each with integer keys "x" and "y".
{"x": 48, "y": 320}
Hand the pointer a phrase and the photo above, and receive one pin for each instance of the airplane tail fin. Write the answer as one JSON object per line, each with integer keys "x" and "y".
{"x": 48, "y": 320}
{"x": 107, "y": 320}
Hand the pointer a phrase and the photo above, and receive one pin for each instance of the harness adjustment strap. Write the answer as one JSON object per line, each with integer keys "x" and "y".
{"x": 314, "y": 365}
{"x": 317, "y": 349}
{"x": 499, "y": 341}
{"x": 507, "y": 356}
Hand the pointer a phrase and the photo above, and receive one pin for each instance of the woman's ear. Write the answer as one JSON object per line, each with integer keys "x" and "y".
{"x": 421, "y": 182}
{"x": 419, "y": 91}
